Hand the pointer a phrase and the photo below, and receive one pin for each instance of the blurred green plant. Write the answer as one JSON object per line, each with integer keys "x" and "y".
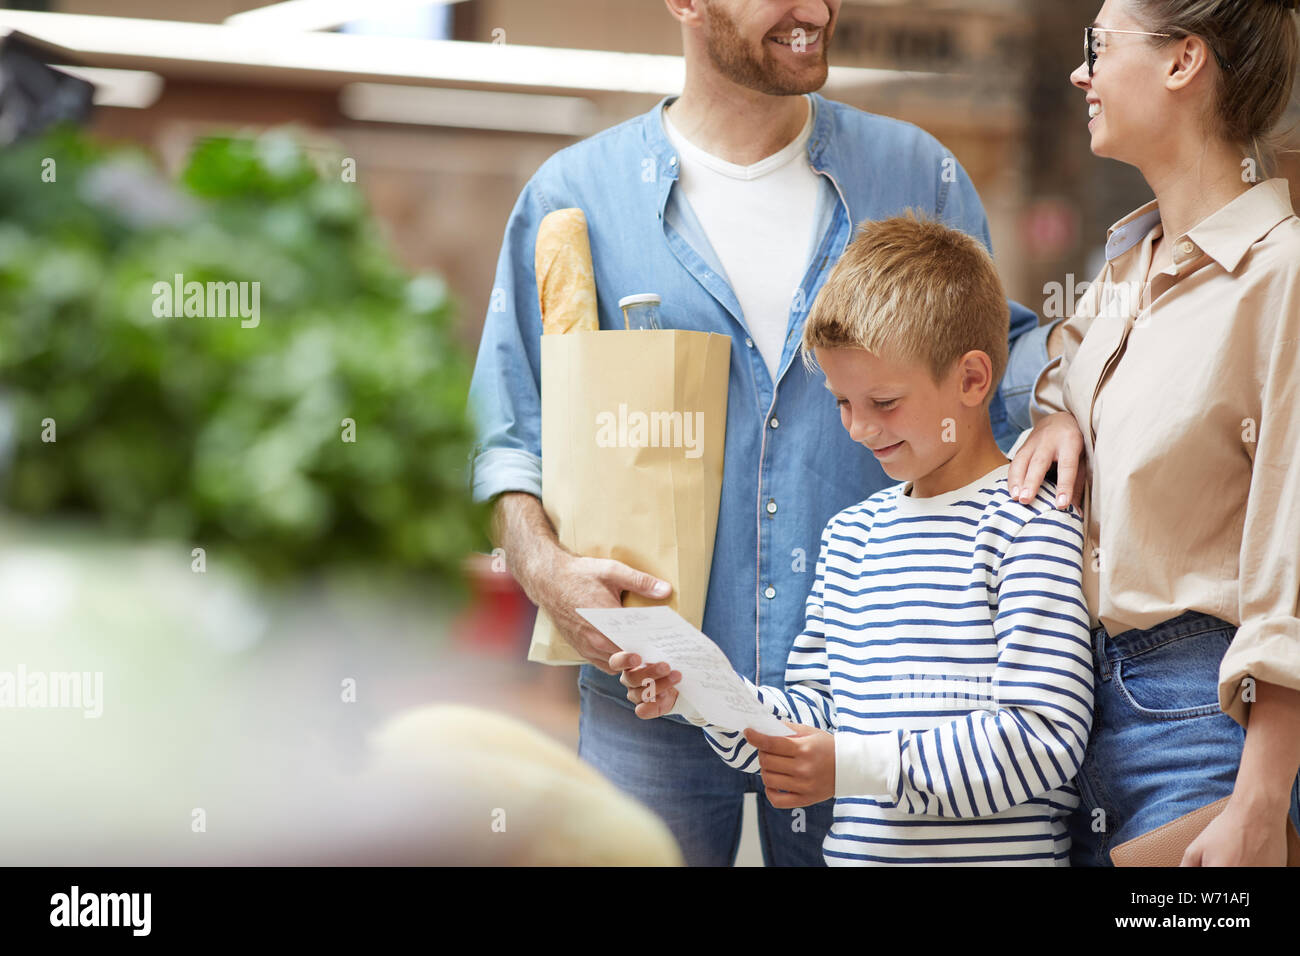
{"x": 204, "y": 430}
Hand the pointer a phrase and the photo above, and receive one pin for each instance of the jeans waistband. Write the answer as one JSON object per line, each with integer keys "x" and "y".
{"x": 1109, "y": 647}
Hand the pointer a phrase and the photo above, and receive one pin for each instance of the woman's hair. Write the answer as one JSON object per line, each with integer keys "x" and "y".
{"x": 1258, "y": 42}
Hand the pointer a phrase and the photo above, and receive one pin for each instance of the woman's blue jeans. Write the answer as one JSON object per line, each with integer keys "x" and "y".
{"x": 1160, "y": 746}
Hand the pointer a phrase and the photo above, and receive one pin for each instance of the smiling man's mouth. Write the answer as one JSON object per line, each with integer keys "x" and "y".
{"x": 809, "y": 39}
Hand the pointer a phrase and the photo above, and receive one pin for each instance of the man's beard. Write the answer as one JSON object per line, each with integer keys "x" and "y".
{"x": 734, "y": 59}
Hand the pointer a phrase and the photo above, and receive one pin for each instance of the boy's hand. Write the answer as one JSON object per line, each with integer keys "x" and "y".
{"x": 650, "y": 687}
{"x": 797, "y": 771}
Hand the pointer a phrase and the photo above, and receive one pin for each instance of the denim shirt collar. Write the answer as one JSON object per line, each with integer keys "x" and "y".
{"x": 665, "y": 154}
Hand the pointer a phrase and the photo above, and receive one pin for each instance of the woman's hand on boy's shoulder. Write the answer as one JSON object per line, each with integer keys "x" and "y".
{"x": 1056, "y": 439}
{"x": 650, "y": 686}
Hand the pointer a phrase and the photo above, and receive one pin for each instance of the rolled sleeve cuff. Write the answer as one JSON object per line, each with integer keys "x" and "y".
{"x": 497, "y": 470}
{"x": 1266, "y": 650}
{"x": 868, "y": 765}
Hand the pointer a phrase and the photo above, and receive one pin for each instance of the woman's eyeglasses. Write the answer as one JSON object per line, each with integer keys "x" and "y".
{"x": 1090, "y": 45}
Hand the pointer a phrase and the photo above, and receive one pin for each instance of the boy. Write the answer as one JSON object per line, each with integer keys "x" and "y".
{"x": 942, "y": 687}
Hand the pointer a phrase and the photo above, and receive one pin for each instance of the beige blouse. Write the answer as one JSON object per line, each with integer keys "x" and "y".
{"x": 1187, "y": 392}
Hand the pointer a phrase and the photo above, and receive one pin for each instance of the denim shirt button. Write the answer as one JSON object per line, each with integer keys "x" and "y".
{"x": 770, "y": 592}
{"x": 749, "y": 343}
{"x": 771, "y": 506}
{"x": 774, "y": 423}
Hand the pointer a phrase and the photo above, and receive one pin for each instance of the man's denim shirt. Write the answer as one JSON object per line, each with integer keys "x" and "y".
{"x": 789, "y": 466}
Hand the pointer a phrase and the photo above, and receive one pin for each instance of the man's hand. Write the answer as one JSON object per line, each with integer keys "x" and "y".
{"x": 1055, "y": 438}
{"x": 558, "y": 581}
{"x": 589, "y": 582}
{"x": 797, "y": 771}
{"x": 650, "y": 687}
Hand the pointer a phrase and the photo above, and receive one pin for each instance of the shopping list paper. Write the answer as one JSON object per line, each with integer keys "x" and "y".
{"x": 709, "y": 684}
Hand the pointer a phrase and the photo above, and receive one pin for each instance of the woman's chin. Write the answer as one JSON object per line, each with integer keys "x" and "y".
{"x": 1102, "y": 150}
{"x": 1100, "y": 145}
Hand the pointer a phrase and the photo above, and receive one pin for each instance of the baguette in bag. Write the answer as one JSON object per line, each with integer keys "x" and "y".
{"x": 653, "y": 508}
{"x": 566, "y": 281}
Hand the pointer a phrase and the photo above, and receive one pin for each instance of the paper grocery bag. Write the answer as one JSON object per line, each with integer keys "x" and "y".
{"x": 633, "y": 435}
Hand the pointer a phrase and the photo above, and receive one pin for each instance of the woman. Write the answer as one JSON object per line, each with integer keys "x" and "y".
{"x": 1173, "y": 413}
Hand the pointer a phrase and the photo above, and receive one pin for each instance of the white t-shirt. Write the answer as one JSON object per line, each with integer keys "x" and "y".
{"x": 759, "y": 220}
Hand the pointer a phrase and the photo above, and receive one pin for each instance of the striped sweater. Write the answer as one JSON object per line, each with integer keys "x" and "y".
{"x": 947, "y": 647}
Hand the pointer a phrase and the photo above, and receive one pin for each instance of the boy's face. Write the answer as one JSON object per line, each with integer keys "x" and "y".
{"x": 897, "y": 410}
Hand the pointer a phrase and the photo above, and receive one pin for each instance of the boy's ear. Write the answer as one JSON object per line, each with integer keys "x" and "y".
{"x": 976, "y": 370}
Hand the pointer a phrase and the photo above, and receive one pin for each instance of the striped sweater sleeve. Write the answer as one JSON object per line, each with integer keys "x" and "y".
{"x": 1029, "y": 736}
{"x": 806, "y": 698}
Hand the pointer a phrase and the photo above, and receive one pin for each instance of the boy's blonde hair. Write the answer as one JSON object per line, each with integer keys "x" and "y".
{"x": 912, "y": 289}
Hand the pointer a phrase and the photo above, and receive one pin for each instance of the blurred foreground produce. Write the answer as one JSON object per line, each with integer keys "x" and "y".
{"x": 229, "y": 432}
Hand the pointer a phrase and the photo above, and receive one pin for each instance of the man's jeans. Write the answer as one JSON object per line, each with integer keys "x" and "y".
{"x": 1160, "y": 746}
{"x": 670, "y": 768}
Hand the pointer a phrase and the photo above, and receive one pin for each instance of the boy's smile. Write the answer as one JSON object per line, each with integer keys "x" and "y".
{"x": 932, "y": 434}
{"x": 881, "y": 403}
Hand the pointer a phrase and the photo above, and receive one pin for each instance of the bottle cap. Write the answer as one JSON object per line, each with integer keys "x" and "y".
{"x": 638, "y": 299}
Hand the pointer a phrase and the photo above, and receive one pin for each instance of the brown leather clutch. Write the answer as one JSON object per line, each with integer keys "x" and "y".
{"x": 1164, "y": 846}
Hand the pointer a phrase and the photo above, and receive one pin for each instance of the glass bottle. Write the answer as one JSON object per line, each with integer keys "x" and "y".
{"x": 640, "y": 311}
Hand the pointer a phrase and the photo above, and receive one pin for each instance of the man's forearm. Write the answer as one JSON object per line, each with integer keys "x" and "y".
{"x": 522, "y": 530}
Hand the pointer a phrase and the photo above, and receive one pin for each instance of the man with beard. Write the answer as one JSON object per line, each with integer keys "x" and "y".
{"x": 732, "y": 201}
